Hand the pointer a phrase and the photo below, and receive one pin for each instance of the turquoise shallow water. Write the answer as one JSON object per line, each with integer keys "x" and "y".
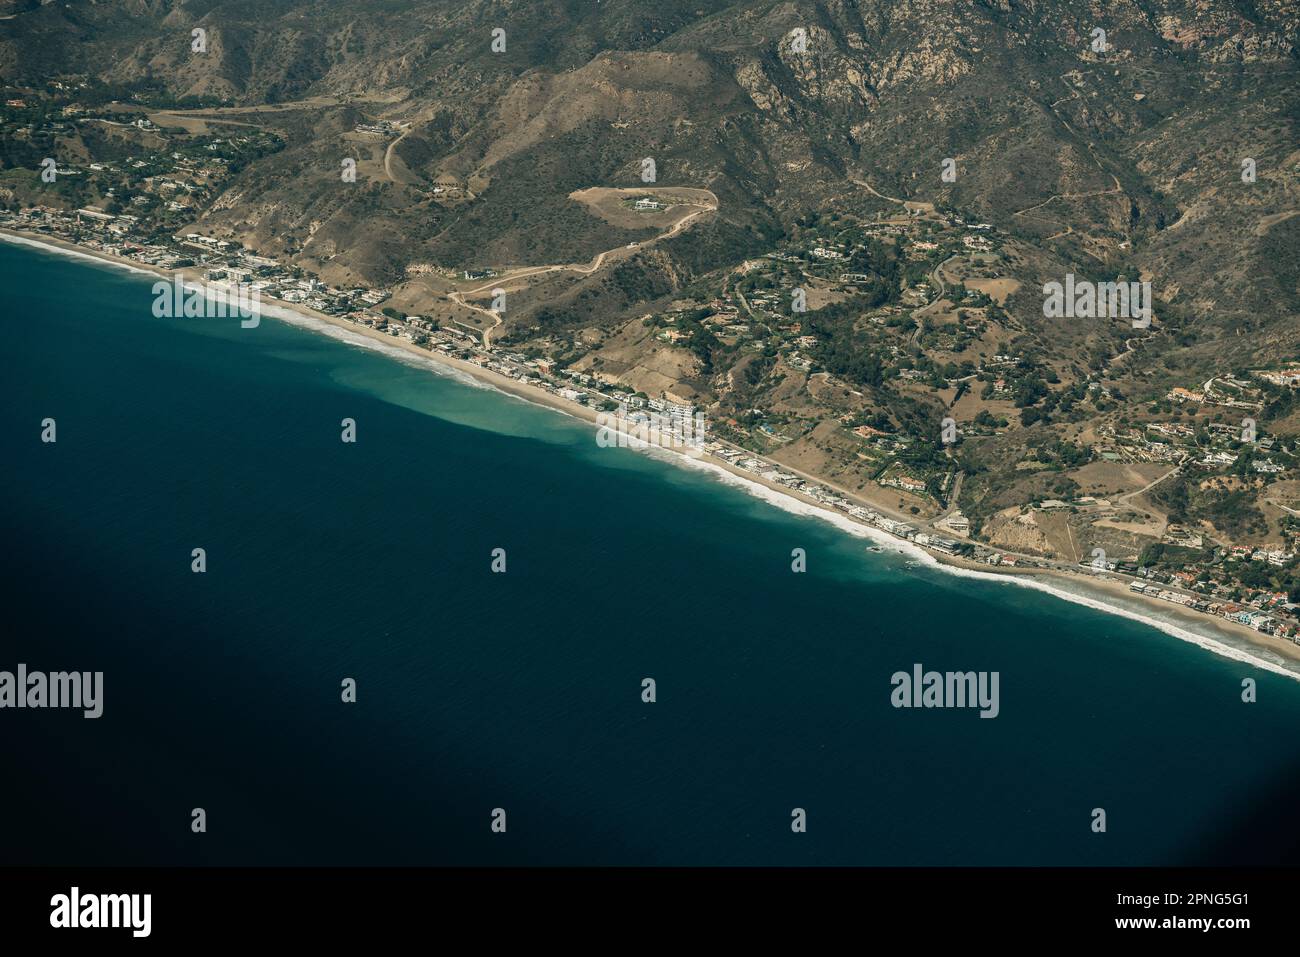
{"x": 522, "y": 690}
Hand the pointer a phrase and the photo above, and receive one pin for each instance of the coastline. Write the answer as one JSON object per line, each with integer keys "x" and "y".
{"x": 1226, "y": 639}
{"x": 1223, "y": 638}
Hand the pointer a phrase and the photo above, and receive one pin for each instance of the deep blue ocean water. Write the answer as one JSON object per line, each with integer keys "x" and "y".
{"x": 522, "y": 690}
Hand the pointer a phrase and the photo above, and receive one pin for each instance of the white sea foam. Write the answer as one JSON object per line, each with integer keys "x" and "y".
{"x": 284, "y": 314}
{"x": 74, "y": 254}
{"x": 1259, "y": 658}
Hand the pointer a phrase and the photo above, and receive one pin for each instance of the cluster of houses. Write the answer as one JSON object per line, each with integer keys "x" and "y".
{"x": 1225, "y": 391}
{"x": 1177, "y": 442}
{"x": 221, "y": 260}
{"x": 744, "y": 461}
{"x": 904, "y": 482}
{"x": 1287, "y": 378}
{"x": 1252, "y": 615}
{"x": 1278, "y": 557}
{"x": 1266, "y": 611}
{"x": 380, "y": 127}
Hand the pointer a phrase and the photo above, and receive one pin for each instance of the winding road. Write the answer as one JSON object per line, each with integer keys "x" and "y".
{"x": 500, "y": 282}
{"x": 388, "y": 153}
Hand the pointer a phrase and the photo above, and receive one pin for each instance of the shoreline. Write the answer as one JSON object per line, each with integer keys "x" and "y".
{"x": 1224, "y": 638}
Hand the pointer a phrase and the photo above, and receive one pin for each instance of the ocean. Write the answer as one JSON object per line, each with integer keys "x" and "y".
{"x": 522, "y": 690}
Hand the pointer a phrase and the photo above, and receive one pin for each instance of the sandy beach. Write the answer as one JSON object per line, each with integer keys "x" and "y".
{"x": 1106, "y": 593}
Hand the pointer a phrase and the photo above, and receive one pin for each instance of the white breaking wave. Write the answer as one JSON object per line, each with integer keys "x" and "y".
{"x": 281, "y": 312}
{"x": 1262, "y": 659}
{"x": 75, "y": 254}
